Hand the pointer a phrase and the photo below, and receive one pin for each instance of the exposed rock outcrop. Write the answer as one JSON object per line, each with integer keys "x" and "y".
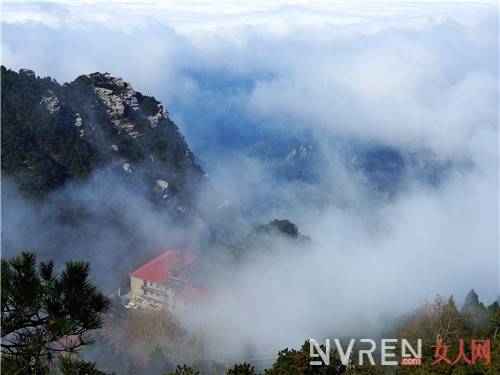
{"x": 50, "y": 101}
{"x": 300, "y": 151}
{"x": 117, "y": 102}
{"x": 162, "y": 113}
{"x": 123, "y": 99}
{"x": 161, "y": 188}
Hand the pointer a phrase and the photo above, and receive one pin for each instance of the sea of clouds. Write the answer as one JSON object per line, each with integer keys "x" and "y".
{"x": 420, "y": 77}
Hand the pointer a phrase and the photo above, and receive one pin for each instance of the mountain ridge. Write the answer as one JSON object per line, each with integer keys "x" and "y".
{"x": 93, "y": 169}
{"x": 54, "y": 133}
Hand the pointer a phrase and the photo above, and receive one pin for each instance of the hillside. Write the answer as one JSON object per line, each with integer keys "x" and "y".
{"x": 54, "y": 133}
{"x": 93, "y": 167}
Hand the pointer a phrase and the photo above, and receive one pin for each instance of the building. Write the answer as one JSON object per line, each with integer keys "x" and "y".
{"x": 165, "y": 282}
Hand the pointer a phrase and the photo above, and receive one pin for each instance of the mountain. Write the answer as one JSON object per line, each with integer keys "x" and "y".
{"x": 93, "y": 167}
{"x": 98, "y": 159}
{"x": 311, "y": 173}
{"x": 53, "y": 133}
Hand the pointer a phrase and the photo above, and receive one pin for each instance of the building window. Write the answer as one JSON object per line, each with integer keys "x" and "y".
{"x": 157, "y": 286}
{"x": 144, "y": 282}
{"x": 145, "y": 292}
{"x": 150, "y": 283}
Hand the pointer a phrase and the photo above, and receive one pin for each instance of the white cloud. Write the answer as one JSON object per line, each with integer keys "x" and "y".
{"x": 419, "y": 76}
{"x": 27, "y": 12}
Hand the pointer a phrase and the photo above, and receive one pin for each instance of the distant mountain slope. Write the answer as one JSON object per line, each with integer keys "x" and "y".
{"x": 52, "y": 133}
{"x": 285, "y": 158}
{"x": 321, "y": 172}
{"x": 102, "y": 169}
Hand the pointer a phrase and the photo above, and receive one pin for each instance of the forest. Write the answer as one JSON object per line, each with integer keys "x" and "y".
{"x": 63, "y": 324}
{"x": 65, "y": 151}
{"x": 53, "y": 133}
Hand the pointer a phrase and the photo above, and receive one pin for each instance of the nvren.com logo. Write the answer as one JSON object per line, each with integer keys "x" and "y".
{"x": 480, "y": 351}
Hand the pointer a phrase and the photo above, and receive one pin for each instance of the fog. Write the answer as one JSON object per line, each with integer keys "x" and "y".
{"x": 420, "y": 78}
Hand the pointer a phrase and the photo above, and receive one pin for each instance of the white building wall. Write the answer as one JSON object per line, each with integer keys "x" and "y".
{"x": 150, "y": 295}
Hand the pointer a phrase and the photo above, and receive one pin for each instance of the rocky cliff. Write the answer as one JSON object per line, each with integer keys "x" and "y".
{"x": 104, "y": 174}
{"x": 54, "y": 133}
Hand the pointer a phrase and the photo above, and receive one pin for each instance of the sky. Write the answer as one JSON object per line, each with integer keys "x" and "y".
{"x": 418, "y": 76}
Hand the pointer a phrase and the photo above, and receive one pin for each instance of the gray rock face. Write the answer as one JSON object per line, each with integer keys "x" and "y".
{"x": 78, "y": 124}
{"x": 300, "y": 151}
{"x": 116, "y": 102}
{"x": 161, "y": 188}
{"x": 50, "y": 101}
{"x": 122, "y": 100}
{"x": 162, "y": 113}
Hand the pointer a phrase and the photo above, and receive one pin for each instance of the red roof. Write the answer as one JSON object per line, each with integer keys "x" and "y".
{"x": 158, "y": 270}
{"x": 191, "y": 294}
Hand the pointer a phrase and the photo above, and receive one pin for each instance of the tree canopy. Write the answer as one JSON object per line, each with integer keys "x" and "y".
{"x": 46, "y": 315}
{"x": 268, "y": 238}
{"x": 439, "y": 324}
{"x": 53, "y": 133}
{"x": 297, "y": 362}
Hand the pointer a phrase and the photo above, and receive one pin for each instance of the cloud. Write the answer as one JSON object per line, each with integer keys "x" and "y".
{"x": 397, "y": 87}
{"x": 400, "y": 69}
{"x": 418, "y": 77}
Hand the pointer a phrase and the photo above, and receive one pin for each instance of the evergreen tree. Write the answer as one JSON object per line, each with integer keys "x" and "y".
{"x": 473, "y": 311}
{"x": 184, "y": 370}
{"x": 241, "y": 369}
{"x": 45, "y": 314}
{"x": 269, "y": 238}
{"x": 297, "y": 362}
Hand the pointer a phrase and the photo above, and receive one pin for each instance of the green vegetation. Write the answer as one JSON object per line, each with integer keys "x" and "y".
{"x": 241, "y": 369}
{"x": 48, "y": 320}
{"x": 438, "y": 323}
{"x": 148, "y": 105}
{"x": 437, "y": 319}
{"x": 41, "y": 150}
{"x": 269, "y": 238}
{"x": 184, "y": 370}
{"x": 54, "y": 133}
{"x": 46, "y": 316}
{"x": 297, "y": 362}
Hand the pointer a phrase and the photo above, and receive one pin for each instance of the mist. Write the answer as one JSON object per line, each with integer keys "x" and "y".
{"x": 420, "y": 79}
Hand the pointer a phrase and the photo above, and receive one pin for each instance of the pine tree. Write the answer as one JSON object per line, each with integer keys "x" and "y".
{"x": 45, "y": 314}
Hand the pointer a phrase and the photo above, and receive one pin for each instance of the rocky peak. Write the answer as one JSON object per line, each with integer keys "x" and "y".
{"x": 117, "y": 100}
{"x": 120, "y": 100}
{"x": 101, "y": 121}
{"x": 300, "y": 151}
